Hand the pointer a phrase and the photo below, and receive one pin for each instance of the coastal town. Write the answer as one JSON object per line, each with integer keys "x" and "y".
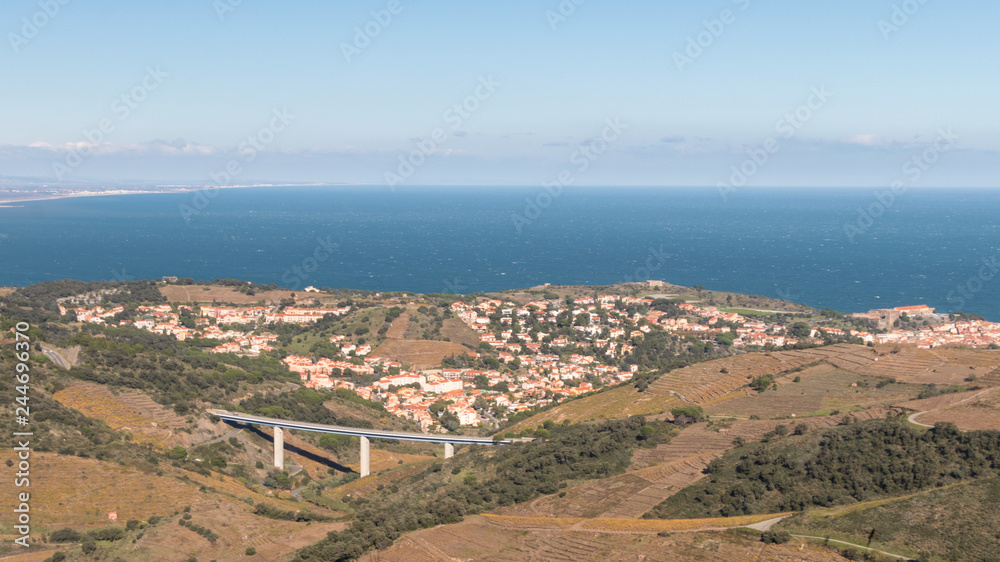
{"x": 530, "y": 354}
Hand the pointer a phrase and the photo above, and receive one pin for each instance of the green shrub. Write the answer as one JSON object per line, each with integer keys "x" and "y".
{"x": 775, "y": 537}
{"x": 64, "y": 535}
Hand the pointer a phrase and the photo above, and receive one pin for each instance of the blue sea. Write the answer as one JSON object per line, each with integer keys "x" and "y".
{"x": 845, "y": 249}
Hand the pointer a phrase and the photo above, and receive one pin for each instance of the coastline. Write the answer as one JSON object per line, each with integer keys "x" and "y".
{"x": 6, "y": 202}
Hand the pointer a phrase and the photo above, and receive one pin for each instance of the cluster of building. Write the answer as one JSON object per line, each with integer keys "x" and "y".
{"x": 542, "y": 380}
{"x": 603, "y": 326}
{"x": 971, "y": 333}
{"x": 939, "y": 331}
{"x": 163, "y": 319}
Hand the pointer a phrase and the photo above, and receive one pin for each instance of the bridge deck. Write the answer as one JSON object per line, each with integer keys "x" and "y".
{"x": 355, "y": 431}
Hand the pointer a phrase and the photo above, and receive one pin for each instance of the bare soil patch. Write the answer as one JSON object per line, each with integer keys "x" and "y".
{"x": 476, "y": 539}
{"x": 420, "y": 354}
{"x": 210, "y": 293}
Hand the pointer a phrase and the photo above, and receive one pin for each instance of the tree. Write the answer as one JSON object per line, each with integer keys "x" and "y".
{"x": 775, "y": 537}
{"x": 64, "y": 535}
{"x": 251, "y": 551}
{"x": 693, "y": 412}
{"x": 178, "y": 453}
{"x": 800, "y": 330}
{"x": 440, "y": 406}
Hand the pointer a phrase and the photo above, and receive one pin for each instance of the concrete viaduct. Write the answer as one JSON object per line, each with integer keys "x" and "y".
{"x": 364, "y": 434}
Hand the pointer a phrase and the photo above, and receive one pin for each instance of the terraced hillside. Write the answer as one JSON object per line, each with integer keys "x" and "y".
{"x": 477, "y": 538}
{"x": 619, "y": 402}
{"x": 130, "y": 411}
{"x": 658, "y": 473}
{"x": 712, "y": 381}
{"x": 939, "y": 366}
{"x": 974, "y": 409}
{"x": 821, "y": 388}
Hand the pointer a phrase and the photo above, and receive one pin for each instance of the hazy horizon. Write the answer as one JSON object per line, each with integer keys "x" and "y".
{"x": 397, "y": 93}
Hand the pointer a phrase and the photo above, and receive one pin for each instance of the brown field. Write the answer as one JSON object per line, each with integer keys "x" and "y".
{"x": 133, "y": 411}
{"x": 4, "y": 291}
{"x": 210, "y": 293}
{"x": 938, "y": 366}
{"x": 822, "y": 388}
{"x": 707, "y": 382}
{"x": 69, "y": 491}
{"x": 420, "y": 354}
{"x": 74, "y": 492}
{"x": 423, "y": 354}
{"x": 237, "y": 530}
{"x": 619, "y": 402}
{"x": 477, "y": 539}
{"x": 974, "y": 409}
{"x": 619, "y": 525}
{"x": 456, "y": 331}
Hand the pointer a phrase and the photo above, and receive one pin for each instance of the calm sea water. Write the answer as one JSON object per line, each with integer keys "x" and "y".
{"x": 928, "y": 246}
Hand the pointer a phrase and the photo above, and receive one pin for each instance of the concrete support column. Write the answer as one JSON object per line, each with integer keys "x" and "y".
{"x": 279, "y": 448}
{"x": 449, "y": 450}
{"x": 365, "y": 468}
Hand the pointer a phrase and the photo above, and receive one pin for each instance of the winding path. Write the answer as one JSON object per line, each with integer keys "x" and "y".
{"x": 854, "y": 545}
{"x": 912, "y": 417}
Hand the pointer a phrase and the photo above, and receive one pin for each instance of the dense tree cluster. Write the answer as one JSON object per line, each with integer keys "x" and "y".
{"x": 303, "y": 405}
{"x": 838, "y": 466}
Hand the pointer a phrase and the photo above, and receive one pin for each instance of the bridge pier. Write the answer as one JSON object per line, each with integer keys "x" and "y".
{"x": 279, "y": 448}
{"x": 449, "y": 450}
{"x": 365, "y": 465}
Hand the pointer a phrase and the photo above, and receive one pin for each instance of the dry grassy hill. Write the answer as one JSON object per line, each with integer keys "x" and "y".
{"x": 421, "y": 354}
{"x": 477, "y": 538}
{"x": 132, "y": 411}
{"x": 79, "y": 493}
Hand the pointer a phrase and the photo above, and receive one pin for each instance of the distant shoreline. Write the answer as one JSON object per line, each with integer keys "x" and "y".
{"x": 6, "y": 202}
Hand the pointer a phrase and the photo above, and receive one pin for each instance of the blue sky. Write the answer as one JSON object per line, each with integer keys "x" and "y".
{"x": 540, "y": 81}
